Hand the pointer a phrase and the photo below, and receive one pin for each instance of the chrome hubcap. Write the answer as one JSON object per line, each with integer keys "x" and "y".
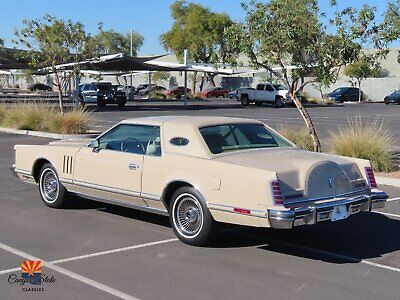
{"x": 188, "y": 216}
{"x": 49, "y": 186}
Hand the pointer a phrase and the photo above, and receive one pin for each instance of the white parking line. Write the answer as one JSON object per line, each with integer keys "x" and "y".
{"x": 52, "y": 265}
{"x": 393, "y": 199}
{"x": 113, "y": 251}
{"x": 387, "y": 214}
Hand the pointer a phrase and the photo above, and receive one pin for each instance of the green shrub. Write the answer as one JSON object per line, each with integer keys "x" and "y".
{"x": 72, "y": 122}
{"x": 157, "y": 95}
{"x": 42, "y": 118}
{"x": 366, "y": 140}
{"x": 300, "y": 137}
{"x": 2, "y": 114}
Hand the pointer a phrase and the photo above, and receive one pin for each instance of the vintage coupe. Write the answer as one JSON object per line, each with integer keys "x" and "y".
{"x": 201, "y": 171}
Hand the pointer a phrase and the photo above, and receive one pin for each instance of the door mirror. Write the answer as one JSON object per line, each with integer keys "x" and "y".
{"x": 95, "y": 145}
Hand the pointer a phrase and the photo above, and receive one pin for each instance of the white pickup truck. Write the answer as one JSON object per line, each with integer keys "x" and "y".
{"x": 276, "y": 94}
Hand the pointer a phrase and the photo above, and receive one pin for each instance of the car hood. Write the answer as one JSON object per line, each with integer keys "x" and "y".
{"x": 303, "y": 173}
{"x": 83, "y": 142}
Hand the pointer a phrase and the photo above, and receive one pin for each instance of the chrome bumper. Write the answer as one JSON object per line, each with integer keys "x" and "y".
{"x": 287, "y": 219}
{"x": 21, "y": 174}
{"x": 12, "y": 168}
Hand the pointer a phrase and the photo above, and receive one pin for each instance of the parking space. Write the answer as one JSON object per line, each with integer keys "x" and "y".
{"x": 101, "y": 251}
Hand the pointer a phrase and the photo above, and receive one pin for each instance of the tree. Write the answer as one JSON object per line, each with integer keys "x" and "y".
{"x": 160, "y": 76}
{"x": 51, "y": 42}
{"x": 112, "y": 42}
{"x": 361, "y": 69}
{"x": 290, "y": 36}
{"x": 391, "y": 25}
{"x": 199, "y": 30}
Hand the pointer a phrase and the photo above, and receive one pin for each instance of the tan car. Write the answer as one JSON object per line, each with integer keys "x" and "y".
{"x": 201, "y": 171}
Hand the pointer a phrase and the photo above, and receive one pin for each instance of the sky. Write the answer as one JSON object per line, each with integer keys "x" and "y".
{"x": 150, "y": 18}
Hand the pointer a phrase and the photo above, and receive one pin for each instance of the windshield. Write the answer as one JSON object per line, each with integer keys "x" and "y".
{"x": 104, "y": 87}
{"x": 279, "y": 87}
{"x": 230, "y": 137}
{"x": 339, "y": 90}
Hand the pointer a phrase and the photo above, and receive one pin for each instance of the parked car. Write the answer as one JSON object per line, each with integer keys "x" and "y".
{"x": 275, "y": 94}
{"x": 177, "y": 92}
{"x": 234, "y": 94}
{"x": 154, "y": 88}
{"x": 142, "y": 87}
{"x": 100, "y": 93}
{"x": 39, "y": 87}
{"x": 201, "y": 171}
{"x": 393, "y": 98}
{"x": 215, "y": 92}
{"x": 119, "y": 93}
{"x": 343, "y": 94}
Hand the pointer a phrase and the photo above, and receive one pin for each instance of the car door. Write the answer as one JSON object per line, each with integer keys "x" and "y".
{"x": 113, "y": 169}
{"x": 259, "y": 92}
{"x": 269, "y": 93}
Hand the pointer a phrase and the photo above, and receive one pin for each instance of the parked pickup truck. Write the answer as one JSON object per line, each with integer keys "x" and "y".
{"x": 276, "y": 94}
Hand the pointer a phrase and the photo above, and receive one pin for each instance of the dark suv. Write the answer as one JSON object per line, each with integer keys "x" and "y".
{"x": 100, "y": 93}
{"x": 345, "y": 94}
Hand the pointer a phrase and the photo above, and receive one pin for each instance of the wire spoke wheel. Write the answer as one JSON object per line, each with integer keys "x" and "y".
{"x": 49, "y": 186}
{"x": 188, "y": 216}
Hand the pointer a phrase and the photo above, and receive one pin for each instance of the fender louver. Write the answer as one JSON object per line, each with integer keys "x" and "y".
{"x": 67, "y": 164}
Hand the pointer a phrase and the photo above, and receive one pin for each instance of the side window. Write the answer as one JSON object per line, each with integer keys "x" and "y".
{"x": 154, "y": 145}
{"x": 260, "y": 87}
{"x": 269, "y": 88}
{"x": 85, "y": 87}
{"x": 129, "y": 138}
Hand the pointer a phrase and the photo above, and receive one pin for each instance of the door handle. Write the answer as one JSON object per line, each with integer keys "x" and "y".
{"x": 133, "y": 166}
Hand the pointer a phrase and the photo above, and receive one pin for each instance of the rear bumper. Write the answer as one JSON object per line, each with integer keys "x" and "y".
{"x": 321, "y": 212}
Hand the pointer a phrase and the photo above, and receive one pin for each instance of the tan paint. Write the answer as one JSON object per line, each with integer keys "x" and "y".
{"x": 236, "y": 179}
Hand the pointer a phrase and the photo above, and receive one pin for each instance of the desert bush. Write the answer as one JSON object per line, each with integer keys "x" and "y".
{"x": 366, "y": 140}
{"x": 42, "y": 118}
{"x": 157, "y": 95}
{"x": 2, "y": 114}
{"x": 301, "y": 138}
{"x": 198, "y": 95}
{"x": 72, "y": 122}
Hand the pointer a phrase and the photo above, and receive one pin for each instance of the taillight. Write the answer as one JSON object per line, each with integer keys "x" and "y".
{"x": 276, "y": 192}
{"x": 370, "y": 177}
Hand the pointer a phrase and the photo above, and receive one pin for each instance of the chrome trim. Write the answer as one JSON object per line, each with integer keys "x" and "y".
{"x": 229, "y": 209}
{"x": 124, "y": 204}
{"x": 106, "y": 188}
{"x": 12, "y": 169}
{"x": 151, "y": 197}
{"x": 328, "y": 197}
{"x": 320, "y": 212}
{"x": 24, "y": 175}
{"x": 66, "y": 180}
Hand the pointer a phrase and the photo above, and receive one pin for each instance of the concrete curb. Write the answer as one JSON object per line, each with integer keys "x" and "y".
{"x": 49, "y": 135}
{"x": 388, "y": 181}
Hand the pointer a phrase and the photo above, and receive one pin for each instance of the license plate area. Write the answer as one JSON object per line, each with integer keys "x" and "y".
{"x": 339, "y": 213}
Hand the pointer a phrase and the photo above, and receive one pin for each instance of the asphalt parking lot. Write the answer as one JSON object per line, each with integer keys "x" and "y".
{"x": 326, "y": 119}
{"x": 94, "y": 250}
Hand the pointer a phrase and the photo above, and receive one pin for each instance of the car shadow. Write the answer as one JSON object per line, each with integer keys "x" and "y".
{"x": 363, "y": 236}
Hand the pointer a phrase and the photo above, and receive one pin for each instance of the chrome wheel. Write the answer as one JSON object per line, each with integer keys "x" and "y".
{"x": 49, "y": 186}
{"x": 188, "y": 215}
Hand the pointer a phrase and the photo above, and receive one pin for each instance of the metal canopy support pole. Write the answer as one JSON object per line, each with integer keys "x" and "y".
{"x": 150, "y": 87}
{"x": 131, "y": 56}
{"x": 185, "y": 55}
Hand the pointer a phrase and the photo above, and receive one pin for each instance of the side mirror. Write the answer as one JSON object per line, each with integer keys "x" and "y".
{"x": 95, "y": 145}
